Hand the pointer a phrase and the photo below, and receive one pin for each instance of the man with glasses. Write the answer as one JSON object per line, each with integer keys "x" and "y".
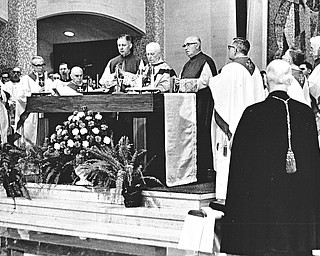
{"x": 35, "y": 82}
{"x": 197, "y": 71}
{"x": 237, "y": 86}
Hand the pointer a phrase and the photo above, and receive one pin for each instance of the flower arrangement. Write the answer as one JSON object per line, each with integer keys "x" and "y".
{"x": 81, "y": 151}
{"x": 68, "y": 146}
{"x": 82, "y": 130}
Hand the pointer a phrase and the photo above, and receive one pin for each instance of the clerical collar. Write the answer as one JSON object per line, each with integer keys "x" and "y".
{"x": 195, "y": 56}
{"x": 127, "y": 56}
{"x": 280, "y": 94}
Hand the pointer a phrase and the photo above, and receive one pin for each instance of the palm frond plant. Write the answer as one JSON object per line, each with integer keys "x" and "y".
{"x": 11, "y": 175}
{"x": 124, "y": 165}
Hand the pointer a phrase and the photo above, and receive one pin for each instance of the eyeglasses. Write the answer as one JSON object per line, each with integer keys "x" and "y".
{"x": 56, "y": 78}
{"x": 38, "y": 65}
{"x": 231, "y": 46}
{"x": 187, "y": 44}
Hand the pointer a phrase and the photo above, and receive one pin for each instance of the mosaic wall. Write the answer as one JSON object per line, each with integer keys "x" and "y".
{"x": 292, "y": 23}
{"x": 18, "y": 41}
{"x": 154, "y": 27}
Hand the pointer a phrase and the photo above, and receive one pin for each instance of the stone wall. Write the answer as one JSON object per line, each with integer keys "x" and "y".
{"x": 19, "y": 35}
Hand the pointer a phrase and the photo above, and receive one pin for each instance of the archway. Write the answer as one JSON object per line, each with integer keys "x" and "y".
{"x": 93, "y": 43}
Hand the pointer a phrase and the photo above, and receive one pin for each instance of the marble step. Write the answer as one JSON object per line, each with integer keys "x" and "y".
{"x": 84, "y": 229}
{"x": 96, "y": 211}
{"x": 151, "y": 198}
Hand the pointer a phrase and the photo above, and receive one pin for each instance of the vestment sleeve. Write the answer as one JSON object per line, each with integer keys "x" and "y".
{"x": 107, "y": 76}
{"x": 314, "y": 82}
{"x": 203, "y": 80}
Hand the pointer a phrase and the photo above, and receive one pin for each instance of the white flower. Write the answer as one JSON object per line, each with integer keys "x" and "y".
{"x": 70, "y": 118}
{"x": 106, "y": 140}
{"x": 70, "y": 143}
{"x": 56, "y": 146}
{"x": 75, "y": 118}
{"x": 59, "y": 132}
{"x": 98, "y": 116}
{"x": 88, "y": 118}
{"x": 95, "y": 130}
{"x": 53, "y": 137}
{"x": 64, "y": 132}
{"x": 83, "y": 131}
{"x": 81, "y": 114}
{"x": 58, "y": 127}
{"x": 75, "y": 131}
{"x": 85, "y": 143}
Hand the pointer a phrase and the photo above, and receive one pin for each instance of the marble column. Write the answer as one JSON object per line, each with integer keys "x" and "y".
{"x": 154, "y": 18}
{"x": 18, "y": 41}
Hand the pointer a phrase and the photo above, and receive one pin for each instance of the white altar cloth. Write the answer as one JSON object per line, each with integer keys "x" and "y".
{"x": 180, "y": 138}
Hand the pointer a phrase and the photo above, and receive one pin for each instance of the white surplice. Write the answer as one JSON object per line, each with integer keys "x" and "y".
{"x": 233, "y": 90}
{"x": 28, "y": 86}
{"x": 4, "y": 119}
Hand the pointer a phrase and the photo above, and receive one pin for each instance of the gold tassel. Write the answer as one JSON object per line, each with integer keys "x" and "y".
{"x": 290, "y": 162}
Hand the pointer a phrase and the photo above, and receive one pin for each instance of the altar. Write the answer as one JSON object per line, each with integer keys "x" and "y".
{"x": 163, "y": 124}
{"x": 62, "y": 219}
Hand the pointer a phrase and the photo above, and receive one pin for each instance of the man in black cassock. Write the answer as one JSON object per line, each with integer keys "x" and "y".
{"x": 201, "y": 67}
{"x": 271, "y": 206}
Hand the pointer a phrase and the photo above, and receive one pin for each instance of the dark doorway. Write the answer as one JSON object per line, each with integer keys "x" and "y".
{"x": 241, "y": 9}
{"x": 92, "y": 56}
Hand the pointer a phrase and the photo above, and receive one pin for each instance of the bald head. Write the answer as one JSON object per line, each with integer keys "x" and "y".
{"x": 279, "y": 75}
{"x": 153, "y": 52}
{"x": 76, "y": 75}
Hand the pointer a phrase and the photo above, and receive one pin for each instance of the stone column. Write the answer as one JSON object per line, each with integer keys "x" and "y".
{"x": 18, "y": 41}
{"x": 154, "y": 18}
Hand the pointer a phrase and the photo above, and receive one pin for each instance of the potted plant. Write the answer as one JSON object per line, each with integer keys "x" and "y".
{"x": 11, "y": 174}
{"x": 126, "y": 164}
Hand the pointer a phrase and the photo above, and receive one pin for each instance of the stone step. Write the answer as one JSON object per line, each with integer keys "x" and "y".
{"x": 151, "y": 198}
{"x": 77, "y": 211}
{"x": 91, "y": 229}
{"x": 96, "y": 211}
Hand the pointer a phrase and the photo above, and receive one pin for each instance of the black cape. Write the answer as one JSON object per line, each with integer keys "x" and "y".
{"x": 267, "y": 209}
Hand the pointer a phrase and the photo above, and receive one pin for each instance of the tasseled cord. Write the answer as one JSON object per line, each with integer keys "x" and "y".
{"x": 291, "y": 166}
